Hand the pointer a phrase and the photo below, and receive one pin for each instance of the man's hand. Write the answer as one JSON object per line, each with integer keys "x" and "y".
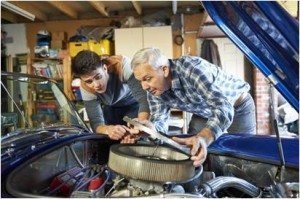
{"x": 198, "y": 144}
{"x": 136, "y": 131}
{"x": 115, "y": 132}
{"x": 130, "y": 139}
{"x": 198, "y": 148}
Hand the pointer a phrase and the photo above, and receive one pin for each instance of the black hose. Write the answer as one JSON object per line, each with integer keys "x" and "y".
{"x": 218, "y": 183}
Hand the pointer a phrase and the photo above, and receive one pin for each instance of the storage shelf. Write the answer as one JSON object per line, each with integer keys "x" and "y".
{"x": 59, "y": 72}
{"x": 45, "y": 59}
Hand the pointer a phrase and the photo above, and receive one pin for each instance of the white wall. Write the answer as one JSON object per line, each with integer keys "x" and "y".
{"x": 18, "y": 34}
{"x": 232, "y": 58}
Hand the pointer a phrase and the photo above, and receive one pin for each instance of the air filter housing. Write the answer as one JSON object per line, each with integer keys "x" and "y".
{"x": 150, "y": 163}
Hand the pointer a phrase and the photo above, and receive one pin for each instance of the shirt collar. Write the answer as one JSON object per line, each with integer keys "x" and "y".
{"x": 176, "y": 84}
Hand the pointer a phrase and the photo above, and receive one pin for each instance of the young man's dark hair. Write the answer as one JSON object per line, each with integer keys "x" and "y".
{"x": 85, "y": 62}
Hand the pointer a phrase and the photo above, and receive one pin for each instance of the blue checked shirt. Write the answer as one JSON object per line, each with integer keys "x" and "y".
{"x": 201, "y": 88}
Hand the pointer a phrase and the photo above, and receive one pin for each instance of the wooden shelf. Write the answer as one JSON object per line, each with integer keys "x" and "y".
{"x": 65, "y": 73}
{"x": 45, "y": 59}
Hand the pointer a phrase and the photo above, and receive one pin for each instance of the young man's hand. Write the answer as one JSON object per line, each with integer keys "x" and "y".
{"x": 115, "y": 132}
{"x": 130, "y": 139}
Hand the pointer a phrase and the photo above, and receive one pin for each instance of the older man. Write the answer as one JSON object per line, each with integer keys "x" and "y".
{"x": 219, "y": 101}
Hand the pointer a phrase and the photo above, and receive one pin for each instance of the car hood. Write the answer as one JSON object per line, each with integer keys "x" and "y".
{"x": 32, "y": 120}
{"x": 267, "y": 35}
{"x": 259, "y": 148}
{"x": 18, "y": 144}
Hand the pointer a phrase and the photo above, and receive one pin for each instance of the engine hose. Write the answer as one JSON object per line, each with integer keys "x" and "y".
{"x": 218, "y": 183}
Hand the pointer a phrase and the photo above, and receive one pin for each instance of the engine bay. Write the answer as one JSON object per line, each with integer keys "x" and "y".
{"x": 86, "y": 169}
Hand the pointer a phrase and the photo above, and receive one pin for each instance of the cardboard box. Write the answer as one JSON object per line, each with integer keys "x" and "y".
{"x": 58, "y": 44}
{"x": 59, "y": 36}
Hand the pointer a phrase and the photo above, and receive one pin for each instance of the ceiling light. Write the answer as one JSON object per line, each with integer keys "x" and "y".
{"x": 174, "y": 6}
{"x": 17, "y": 10}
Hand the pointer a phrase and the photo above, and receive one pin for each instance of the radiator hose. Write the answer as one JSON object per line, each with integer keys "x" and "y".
{"x": 218, "y": 183}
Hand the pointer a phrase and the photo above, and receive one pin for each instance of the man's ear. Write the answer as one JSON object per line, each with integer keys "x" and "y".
{"x": 166, "y": 70}
{"x": 104, "y": 67}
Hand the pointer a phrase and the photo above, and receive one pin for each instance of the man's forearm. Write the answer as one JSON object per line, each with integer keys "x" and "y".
{"x": 207, "y": 134}
{"x": 143, "y": 115}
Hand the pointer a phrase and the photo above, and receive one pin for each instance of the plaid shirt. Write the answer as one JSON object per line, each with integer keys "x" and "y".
{"x": 201, "y": 88}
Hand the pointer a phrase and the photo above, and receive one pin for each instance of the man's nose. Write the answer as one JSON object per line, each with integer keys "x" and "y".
{"x": 145, "y": 85}
{"x": 96, "y": 83}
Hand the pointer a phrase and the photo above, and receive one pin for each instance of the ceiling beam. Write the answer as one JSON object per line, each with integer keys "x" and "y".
{"x": 64, "y": 8}
{"x": 137, "y": 7}
{"x": 9, "y": 16}
{"x": 31, "y": 9}
{"x": 100, "y": 7}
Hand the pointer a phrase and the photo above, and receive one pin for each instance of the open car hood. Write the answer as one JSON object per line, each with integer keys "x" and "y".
{"x": 267, "y": 35}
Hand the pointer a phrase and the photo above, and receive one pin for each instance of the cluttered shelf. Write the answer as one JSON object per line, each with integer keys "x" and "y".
{"x": 48, "y": 68}
{"x": 58, "y": 69}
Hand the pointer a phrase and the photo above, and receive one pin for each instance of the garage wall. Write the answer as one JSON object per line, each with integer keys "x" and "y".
{"x": 262, "y": 102}
{"x": 16, "y": 39}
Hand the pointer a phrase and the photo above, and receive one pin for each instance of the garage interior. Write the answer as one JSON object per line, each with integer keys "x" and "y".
{"x": 190, "y": 27}
{"x": 41, "y": 38}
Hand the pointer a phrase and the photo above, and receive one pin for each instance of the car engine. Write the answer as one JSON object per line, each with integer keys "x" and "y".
{"x": 96, "y": 168}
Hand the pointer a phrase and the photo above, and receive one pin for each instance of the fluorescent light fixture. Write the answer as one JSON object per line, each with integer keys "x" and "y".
{"x": 174, "y": 6}
{"x": 17, "y": 10}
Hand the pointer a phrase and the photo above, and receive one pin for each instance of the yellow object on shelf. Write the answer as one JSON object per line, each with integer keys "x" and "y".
{"x": 76, "y": 47}
{"x": 101, "y": 48}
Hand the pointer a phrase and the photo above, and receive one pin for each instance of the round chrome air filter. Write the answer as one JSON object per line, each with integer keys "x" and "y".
{"x": 150, "y": 163}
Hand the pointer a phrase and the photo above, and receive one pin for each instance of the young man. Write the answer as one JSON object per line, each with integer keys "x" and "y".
{"x": 218, "y": 101}
{"x": 109, "y": 91}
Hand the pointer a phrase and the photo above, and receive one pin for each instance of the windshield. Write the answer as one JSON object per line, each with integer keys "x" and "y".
{"x": 31, "y": 102}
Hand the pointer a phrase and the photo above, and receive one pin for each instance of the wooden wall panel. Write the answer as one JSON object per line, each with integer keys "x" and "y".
{"x": 192, "y": 22}
{"x": 177, "y": 49}
{"x": 191, "y": 28}
{"x": 190, "y": 44}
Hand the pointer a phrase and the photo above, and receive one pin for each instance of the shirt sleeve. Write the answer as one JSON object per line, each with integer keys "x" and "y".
{"x": 159, "y": 114}
{"x": 93, "y": 109}
{"x": 222, "y": 110}
{"x": 139, "y": 93}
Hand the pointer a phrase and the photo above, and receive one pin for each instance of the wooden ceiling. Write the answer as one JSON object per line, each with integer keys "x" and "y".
{"x": 51, "y": 11}
{"x": 77, "y": 10}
